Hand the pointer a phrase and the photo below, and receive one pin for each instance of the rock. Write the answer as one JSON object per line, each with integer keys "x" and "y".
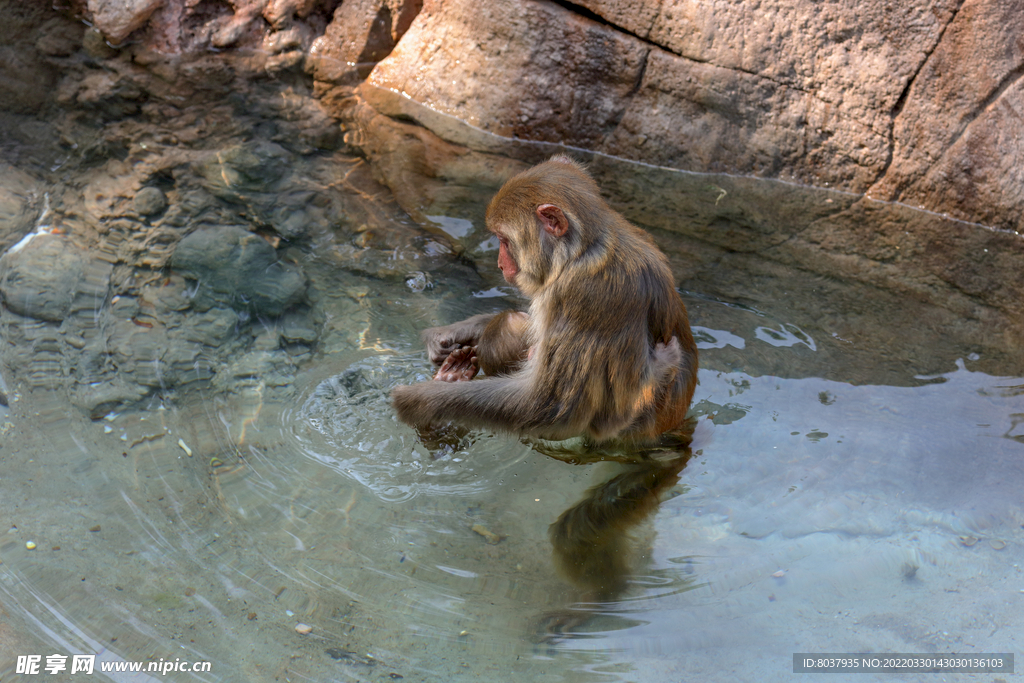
{"x": 574, "y": 90}
{"x": 229, "y": 30}
{"x": 149, "y": 201}
{"x": 59, "y": 38}
{"x": 118, "y": 18}
{"x": 298, "y": 328}
{"x": 236, "y": 269}
{"x": 212, "y": 328}
{"x": 40, "y": 279}
{"x": 267, "y": 368}
{"x": 17, "y": 205}
{"x": 281, "y": 13}
{"x": 957, "y": 138}
{"x": 95, "y": 44}
{"x": 237, "y": 171}
{"x": 914, "y": 103}
{"x": 24, "y": 83}
{"x": 98, "y": 399}
{"x": 283, "y": 41}
{"x": 286, "y": 61}
{"x": 360, "y": 35}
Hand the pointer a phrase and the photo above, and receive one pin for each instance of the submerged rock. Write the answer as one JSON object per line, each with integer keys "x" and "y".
{"x": 237, "y": 269}
{"x": 149, "y": 201}
{"x": 40, "y": 279}
{"x": 238, "y": 171}
{"x": 17, "y": 205}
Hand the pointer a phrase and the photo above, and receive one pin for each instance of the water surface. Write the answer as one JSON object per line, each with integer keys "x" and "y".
{"x": 850, "y": 488}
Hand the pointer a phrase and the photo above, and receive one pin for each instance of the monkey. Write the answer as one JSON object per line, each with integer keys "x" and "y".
{"x": 608, "y": 350}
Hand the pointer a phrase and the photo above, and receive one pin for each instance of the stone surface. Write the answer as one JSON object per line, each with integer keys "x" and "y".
{"x": 118, "y": 18}
{"x": 235, "y": 268}
{"x": 40, "y": 279}
{"x": 149, "y": 201}
{"x": 362, "y": 33}
{"x": 906, "y": 102}
{"x": 18, "y": 211}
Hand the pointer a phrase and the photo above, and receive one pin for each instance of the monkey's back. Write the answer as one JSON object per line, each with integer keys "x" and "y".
{"x": 600, "y": 327}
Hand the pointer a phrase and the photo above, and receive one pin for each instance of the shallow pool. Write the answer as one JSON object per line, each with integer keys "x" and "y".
{"x": 223, "y": 484}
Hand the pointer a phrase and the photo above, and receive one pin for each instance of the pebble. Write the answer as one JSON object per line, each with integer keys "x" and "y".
{"x": 149, "y": 201}
{"x": 304, "y": 629}
{"x": 491, "y": 537}
{"x": 30, "y": 545}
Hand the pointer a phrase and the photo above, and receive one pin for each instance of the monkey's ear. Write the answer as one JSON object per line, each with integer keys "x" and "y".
{"x": 553, "y": 219}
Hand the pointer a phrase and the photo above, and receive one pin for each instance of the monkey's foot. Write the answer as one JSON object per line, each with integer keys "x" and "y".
{"x": 460, "y": 365}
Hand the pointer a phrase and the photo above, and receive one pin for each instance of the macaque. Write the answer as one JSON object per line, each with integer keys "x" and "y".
{"x": 605, "y": 351}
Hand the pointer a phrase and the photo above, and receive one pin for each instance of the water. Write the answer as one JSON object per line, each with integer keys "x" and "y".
{"x": 853, "y": 484}
{"x": 815, "y": 515}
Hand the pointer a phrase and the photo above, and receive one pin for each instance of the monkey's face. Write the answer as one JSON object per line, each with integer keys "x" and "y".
{"x": 506, "y": 264}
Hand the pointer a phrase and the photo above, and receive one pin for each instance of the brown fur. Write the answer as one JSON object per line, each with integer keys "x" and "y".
{"x": 504, "y": 346}
{"x": 612, "y": 353}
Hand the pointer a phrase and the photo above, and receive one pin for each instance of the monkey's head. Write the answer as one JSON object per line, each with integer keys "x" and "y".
{"x": 544, "y": 219}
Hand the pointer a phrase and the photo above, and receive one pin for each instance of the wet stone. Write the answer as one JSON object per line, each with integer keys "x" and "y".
{"x": 297, "y": 327}
{"x": 236, "y": 269}
{"x": 149, "y": 201}
{"x": 236, "y": 171}
{"x": 40, "y": 279}
{"x": 213, "y": 327}
{"x": 125, "y": 307}
{"x": 17, "y": 213}
{"x": 97, "y": 399}
{"x": 256, "y": 368}
{"x": 166, "y": 299}
{"x": 96, "y": 45}
{"x": 268, "y": 340}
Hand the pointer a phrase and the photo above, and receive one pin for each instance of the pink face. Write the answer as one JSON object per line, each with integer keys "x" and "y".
{"x": 506, "y": 263}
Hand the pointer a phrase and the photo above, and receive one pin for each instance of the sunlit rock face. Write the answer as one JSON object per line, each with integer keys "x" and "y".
{"x": 905, "y": 101}
{"x": 804, "y": 112}
{"x": 912, "y": 102}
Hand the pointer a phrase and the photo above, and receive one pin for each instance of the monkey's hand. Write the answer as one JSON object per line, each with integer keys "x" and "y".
{"x": 441, "y": 341}
{"x": 439, "y": 347}
{"x": 460, "y": 366}
{"x": 667, "y": 358}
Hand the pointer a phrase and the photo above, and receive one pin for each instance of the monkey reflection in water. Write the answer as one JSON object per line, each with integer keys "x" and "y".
{"x": 604, "y": 355}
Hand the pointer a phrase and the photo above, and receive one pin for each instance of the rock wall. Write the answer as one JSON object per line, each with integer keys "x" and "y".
{"x": 913, "y": 102}
{"x": 885, "y": 107}
{"x": 795, "y": 131}
{"x": 155, "y": 206}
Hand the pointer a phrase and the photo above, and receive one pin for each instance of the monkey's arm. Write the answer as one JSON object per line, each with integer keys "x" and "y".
{"x": 507, "y": 403}
{"x": 553, "y": 407}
